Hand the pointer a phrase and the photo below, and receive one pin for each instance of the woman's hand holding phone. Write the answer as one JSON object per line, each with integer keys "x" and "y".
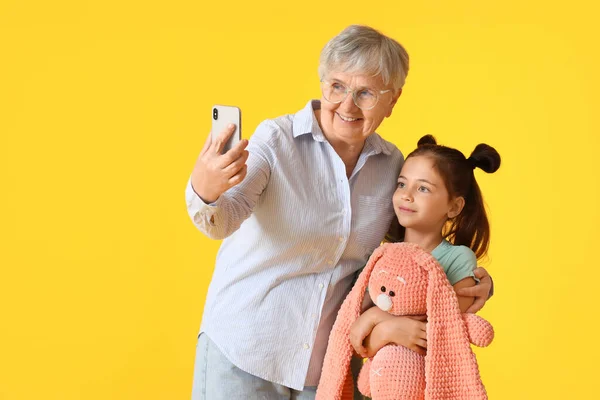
{"x": 214, "y": 173}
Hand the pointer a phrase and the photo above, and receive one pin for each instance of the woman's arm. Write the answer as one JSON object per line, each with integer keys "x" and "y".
{"x": 224, "y": 215}
{"x": 463, "y": 265}
{"x": 464, "y": 302}
{"x": 481, "y": 292}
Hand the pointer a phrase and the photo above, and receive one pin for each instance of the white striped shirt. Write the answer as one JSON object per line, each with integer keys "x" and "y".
{"x": 296, "y": 230}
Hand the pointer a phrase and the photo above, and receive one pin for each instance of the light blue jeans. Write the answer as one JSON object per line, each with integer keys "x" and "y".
{"x": 216, "y": 378}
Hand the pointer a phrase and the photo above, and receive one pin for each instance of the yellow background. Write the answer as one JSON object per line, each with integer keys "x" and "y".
{"x": 105, "y": 105}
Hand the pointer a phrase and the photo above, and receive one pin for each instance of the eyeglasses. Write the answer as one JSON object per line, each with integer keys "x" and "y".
{"x": 364, "y": 98}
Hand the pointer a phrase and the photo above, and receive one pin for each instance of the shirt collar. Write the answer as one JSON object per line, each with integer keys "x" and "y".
{"x": 305, "y": 122}
{"x": 378, "y": 145}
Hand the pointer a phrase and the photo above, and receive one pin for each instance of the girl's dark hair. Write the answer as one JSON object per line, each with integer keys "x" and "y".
{"x": 471, "y": 227}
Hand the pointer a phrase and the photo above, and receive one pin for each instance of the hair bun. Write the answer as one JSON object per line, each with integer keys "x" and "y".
{"x": 427, "y": 139}
{"x": 485, "y": 157}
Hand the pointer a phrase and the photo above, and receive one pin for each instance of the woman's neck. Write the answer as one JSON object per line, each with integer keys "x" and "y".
{"x": 349, "y": 155}
{"x": 348, "y": 152}
{"x": 427, "y": 240}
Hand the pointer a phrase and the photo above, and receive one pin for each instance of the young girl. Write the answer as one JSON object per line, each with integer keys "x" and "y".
{"x": 439, "y": 207}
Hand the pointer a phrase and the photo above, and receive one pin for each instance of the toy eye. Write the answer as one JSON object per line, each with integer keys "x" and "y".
{"x": 383, "y": 289}
{"x": 392, "y": 294}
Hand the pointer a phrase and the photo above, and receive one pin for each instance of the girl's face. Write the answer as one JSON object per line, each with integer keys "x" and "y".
{"x": 421, "y": 200}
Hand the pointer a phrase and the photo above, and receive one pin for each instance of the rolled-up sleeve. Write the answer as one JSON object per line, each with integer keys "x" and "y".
{"x": 223, "y": 217}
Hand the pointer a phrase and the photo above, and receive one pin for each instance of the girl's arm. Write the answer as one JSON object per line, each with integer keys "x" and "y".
{"x": 375, "y": 328}
{"x": 381, "y": 328}
{"x": 362, "y": 327}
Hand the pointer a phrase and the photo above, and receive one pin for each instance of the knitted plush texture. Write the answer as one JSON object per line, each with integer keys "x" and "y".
{"x": 449, "y": 370}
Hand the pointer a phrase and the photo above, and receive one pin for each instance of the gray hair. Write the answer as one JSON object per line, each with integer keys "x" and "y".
{"x": 364, "y": 50}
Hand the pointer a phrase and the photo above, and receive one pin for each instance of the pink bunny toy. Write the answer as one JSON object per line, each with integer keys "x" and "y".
{"x": 419, "y": 286}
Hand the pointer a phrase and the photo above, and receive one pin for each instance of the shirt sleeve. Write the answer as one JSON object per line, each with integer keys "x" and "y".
{"x": 223, "y": 217}
{"x": 462, "y": 265}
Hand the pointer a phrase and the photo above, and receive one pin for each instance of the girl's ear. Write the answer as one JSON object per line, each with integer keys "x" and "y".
{"x": 456, "y": 206}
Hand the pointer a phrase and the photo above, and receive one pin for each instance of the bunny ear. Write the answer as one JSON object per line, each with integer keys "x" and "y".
{"x": 336, "y": 376}
{"x": 451, "y": 369}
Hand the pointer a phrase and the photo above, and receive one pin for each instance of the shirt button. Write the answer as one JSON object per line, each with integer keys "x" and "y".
{"x": 341, "y": 239}
{"x": 330, "y": 262}
{"x": 306, "y": 346}
{"x": 314, "y": 316}
{"x": 320, "y": 286}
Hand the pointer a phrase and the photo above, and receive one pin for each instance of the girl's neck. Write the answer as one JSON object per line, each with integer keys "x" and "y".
{"x": 427, "y": 240}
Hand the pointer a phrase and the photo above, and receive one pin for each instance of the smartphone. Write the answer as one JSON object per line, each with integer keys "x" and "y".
{"x": 223, "y": 116}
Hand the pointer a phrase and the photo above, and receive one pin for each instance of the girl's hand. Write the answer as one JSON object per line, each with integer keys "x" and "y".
{"x": 410, "y": 332}
{"x": 359, "y": 330}
{"x": 482, "y": 291}
{"x": 363, "y": 326}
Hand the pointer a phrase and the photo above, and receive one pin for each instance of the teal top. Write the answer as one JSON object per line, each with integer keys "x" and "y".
{"x": 458, "y": 261}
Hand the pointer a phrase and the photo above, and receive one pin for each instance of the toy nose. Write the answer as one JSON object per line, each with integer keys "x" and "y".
{"x": 384, "y": 302}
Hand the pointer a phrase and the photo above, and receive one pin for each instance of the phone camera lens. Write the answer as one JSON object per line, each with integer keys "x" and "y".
{"x": 215, "y": 114}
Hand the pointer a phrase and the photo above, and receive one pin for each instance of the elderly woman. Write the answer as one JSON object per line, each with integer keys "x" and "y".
{"x": 300, "y": 210}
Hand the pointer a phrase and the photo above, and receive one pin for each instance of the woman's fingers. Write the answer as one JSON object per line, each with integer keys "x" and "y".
{"x": 237, "y": 178}
{"x": 480, "y": 273}
{"x": 482, "y": 289}
{"x": 236, "y": 165}
{"x": 222, "y": 138}
{"x": 477, "y": 305}
{"x": 233, "y": 154}
{"x": 215, "y": 173}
